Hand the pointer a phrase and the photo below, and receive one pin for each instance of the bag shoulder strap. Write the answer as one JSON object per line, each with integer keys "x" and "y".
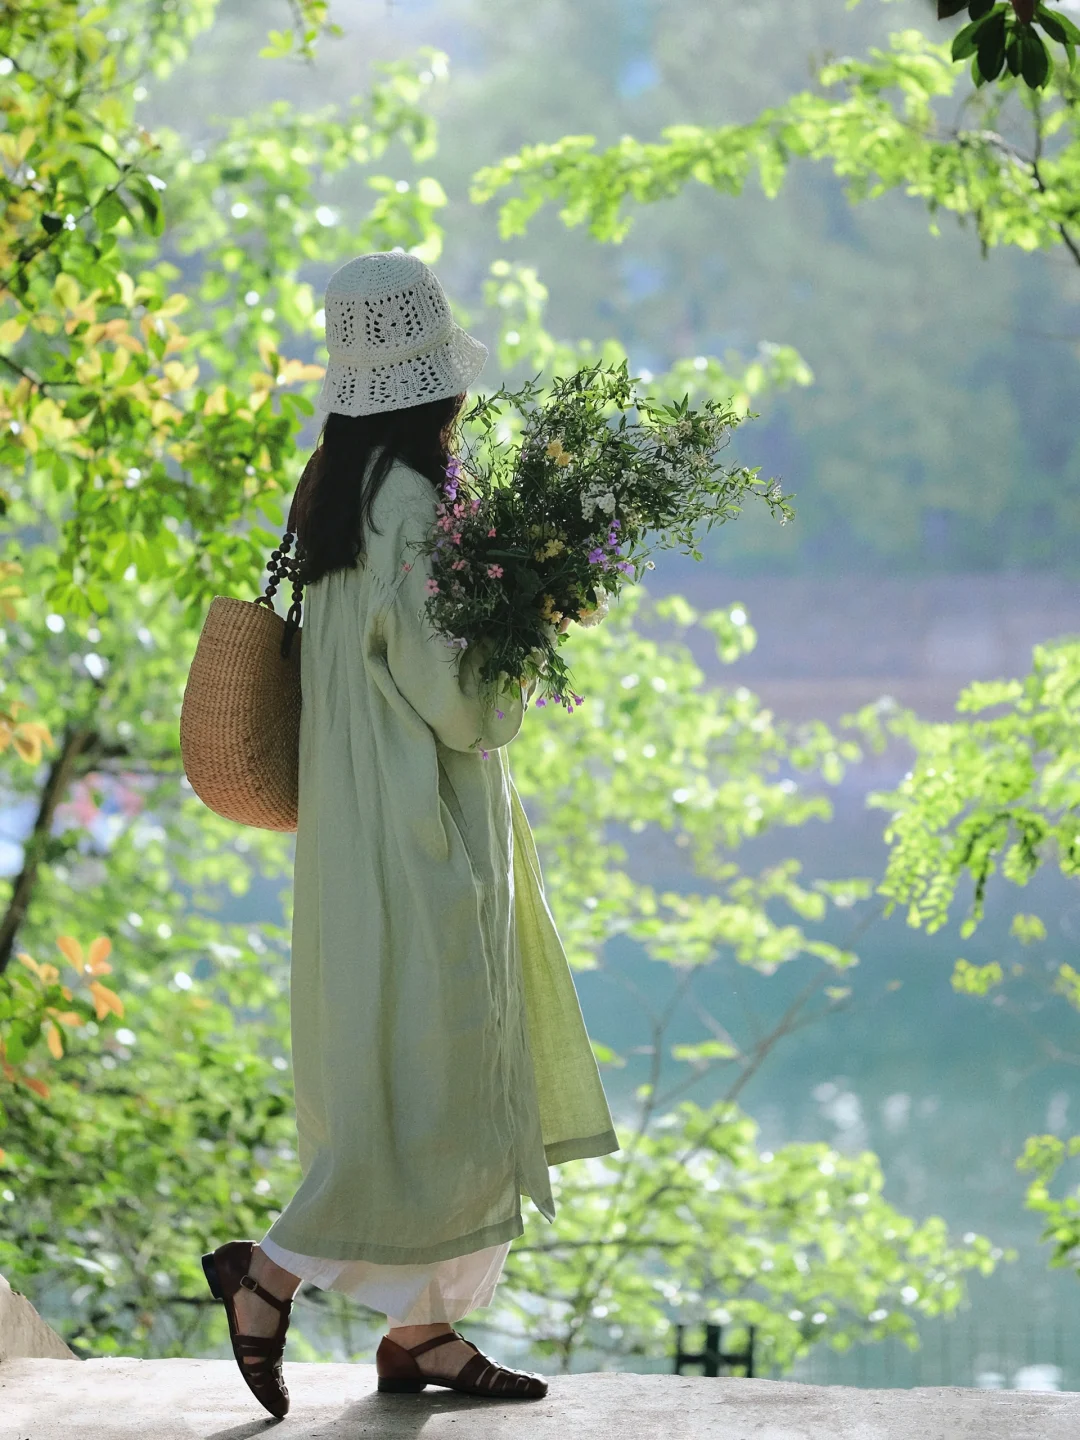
{"x": 283, "y": 566}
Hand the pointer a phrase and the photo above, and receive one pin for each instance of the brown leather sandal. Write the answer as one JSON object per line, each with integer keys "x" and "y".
{"x": 398, "y": 1371}
{"x": 226, "y": 1271}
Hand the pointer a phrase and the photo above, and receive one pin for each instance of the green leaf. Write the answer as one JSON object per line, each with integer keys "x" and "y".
{"x": 966, "y": 40}
{"x": 111, "y": 210}
{"x": 979, "y": 9}
{"x": 1059, "y": 27}
{"x": 947, "y": 8}
{"x": 1035, "y": 59}
{"x": 149, "y": 203}
{"x": 704, "y": 1050}
{"x": 528, "y": 582}
{"x": 991, "y": 46}
{"x": 15, "y": 1044}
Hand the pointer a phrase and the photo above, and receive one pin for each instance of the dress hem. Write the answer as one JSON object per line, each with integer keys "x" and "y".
{"x": 560, "y": 1151}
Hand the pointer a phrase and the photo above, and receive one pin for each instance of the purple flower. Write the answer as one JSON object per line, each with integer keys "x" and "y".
{"x": 453, "y": 469}
{"x": 541, "y": 701}
{"x": 624, "y": 565}
{"x": 500, "y": 714}
{"x": 615, "y": 525}
{"x": 595, "y": 556}
{"x": 579, "y": 700}
{"x": 483, "y": 754}
{"x": 450, "y": 491}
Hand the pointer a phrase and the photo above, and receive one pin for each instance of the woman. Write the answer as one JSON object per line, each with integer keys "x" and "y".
{"x": 440, "y": 1057}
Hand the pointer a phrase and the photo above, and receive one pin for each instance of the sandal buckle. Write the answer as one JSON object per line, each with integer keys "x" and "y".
{"x": 247, "y": 1282}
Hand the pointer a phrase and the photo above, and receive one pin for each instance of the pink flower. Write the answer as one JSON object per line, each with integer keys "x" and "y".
{"x": 431, "y": 586}
{"x": 495, "y": 571}
{"x": 456, "y": 538}
{"x": 490, "y": 534}
{"x": 459, "y": 565}
{"x": 406, "y": 566}
{"x": 475, "y": 506}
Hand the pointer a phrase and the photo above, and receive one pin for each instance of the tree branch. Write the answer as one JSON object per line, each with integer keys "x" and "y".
{"x": 16, "y": 369}
{"x": 78, "y": 738}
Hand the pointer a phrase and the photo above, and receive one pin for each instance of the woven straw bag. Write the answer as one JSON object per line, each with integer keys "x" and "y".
{"x": 240, "y": 717}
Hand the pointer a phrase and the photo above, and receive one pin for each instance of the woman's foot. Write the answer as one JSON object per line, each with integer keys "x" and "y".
{"x": 442, "y": 1359}
{"x": 257, "y": 1344}
{"x": 447, "y": 1358}
{"x": 253, "y": 1315}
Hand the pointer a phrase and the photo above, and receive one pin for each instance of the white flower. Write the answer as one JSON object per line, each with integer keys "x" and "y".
{"x": 593, "y": 617}
{"x": 594, "y": 498}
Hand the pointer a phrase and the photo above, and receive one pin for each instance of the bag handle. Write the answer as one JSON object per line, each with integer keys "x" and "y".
{"x": 283, "y": 566}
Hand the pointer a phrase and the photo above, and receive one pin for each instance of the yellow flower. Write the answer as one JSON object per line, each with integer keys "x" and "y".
{"x": 558, "y": 454}
{"x": 548, "y": 611}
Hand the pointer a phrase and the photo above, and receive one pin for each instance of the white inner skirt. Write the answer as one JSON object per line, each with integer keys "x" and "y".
{"x": 444, "y": 1290}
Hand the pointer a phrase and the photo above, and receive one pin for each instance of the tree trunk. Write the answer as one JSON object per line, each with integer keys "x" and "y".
{"x": 77, "y": 740}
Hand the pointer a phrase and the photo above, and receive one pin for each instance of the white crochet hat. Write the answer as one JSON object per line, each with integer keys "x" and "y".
{"x": 391, "y": 338}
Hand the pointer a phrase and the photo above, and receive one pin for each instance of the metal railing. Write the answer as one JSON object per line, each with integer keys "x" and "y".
{"x": 712, "y": 1357}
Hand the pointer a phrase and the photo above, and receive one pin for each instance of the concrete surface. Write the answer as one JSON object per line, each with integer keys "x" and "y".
{"x": 180, "y": 1399}
{"x": 23, "y": 1333}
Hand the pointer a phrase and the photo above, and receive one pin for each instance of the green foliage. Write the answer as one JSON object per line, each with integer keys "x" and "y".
{"x": 153, "y": 1141}
{"x": 165, "y": 434}
{"x": 995, "y": 794}
{"x": 693, "y": 1220}
{"x": 880, "y": 132}
{"x": 1047, "y": 1156}
{"x": 1006, "y": 33}
{"x": 968, "y": 979}
{"x": 657, "y": 748}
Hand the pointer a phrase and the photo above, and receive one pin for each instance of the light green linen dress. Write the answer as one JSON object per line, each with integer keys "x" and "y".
{"x": 440, "y": 1056}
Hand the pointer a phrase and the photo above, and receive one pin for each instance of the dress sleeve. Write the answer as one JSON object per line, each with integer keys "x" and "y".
{"x": 439, "y": 682}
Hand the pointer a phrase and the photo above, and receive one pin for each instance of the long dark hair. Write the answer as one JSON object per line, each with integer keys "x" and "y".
{"x": 338, "y": 487}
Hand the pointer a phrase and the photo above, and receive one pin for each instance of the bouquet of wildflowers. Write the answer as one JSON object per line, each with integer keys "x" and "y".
{"x": 552, "y": 522}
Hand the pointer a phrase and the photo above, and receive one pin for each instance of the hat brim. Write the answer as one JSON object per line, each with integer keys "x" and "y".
{"x": 446, "y": 369}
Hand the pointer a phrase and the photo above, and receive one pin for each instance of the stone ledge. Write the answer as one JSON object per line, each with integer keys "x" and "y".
{"x": 118, "y": 1399}
{"x": 23, "y": 1333}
